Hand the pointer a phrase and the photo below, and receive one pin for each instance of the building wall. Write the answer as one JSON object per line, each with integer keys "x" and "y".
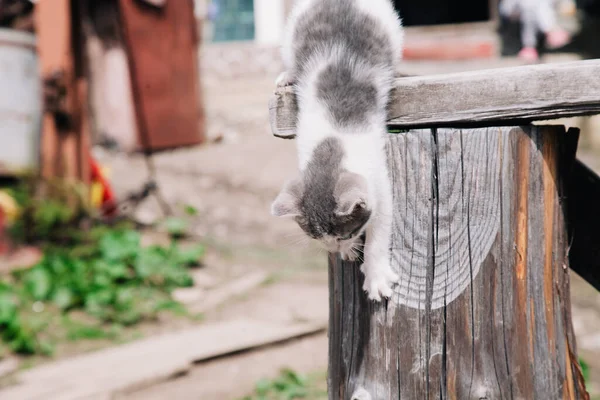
{"x": 260, "y": 21}
{"x": 269, "y": 19}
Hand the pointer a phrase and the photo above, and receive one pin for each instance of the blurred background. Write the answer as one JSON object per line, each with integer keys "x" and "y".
{"x": 138, "y": 258}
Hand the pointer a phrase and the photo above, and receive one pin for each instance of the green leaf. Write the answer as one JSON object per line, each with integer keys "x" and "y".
{"x": 96, "y": 303}
{"x": 585, "y": 369}
{"x": 190, "y": 210}
{"x": 49, "y": 213}
{"x": 77, "y": 330}
{"x": 63, "y": 298}
{"x": 171, "y": 305}
{"x": 46, "y": 348}
{"x": 118, "y": 271}
{"x": 396, "y": 131}
{"x": 263, "y": 387}
{"x": 8, "y": 307}
{"x": 189, "y": 257}
{"x": 295, "y": 392}
{"x": 128, "y": 317}
{"x": 124, "y": 298}
{"x": 176, "y": 227}
{"x": 120, "y": 245}
{"x": 294, "y": 377}
{"x": 180, "y": 278}
{"x": 149, "y": 261}
{"x": 24, "y": 343}
{"x": 38, "y": 283}
{"x": 57, "y": 264}
{"x": 102, "y": 280}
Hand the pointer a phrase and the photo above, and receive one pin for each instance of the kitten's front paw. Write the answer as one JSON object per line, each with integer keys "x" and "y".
{"x": 379, "y": 279}
{"x": 284, "y": 79}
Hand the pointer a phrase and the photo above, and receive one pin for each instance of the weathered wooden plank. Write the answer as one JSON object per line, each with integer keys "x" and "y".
{"x": 480, "y": 244}
{"x": 65, "y": 147}
{"x": 53, "y": 26}
{"x": 497, "y": 97}
{"x": 149, "y": 360}
{"x": 584, "y": 220}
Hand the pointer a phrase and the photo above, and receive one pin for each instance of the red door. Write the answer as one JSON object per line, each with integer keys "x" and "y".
{"x": 162, "y": 45}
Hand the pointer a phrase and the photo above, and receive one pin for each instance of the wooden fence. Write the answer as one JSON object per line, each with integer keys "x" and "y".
{"x": 490, "y": 213}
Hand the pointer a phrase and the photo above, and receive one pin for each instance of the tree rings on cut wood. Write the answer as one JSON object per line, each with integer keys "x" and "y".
{"x": 447, "y": 180}
{"x": 480, "y": 243}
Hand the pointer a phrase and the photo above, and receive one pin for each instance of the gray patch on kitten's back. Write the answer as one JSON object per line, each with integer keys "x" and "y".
{"x": 334, "y": 24}
{"x": 348, "y": 99}
{"x": 331, "y": 24}
{"x": 319, "y": 201}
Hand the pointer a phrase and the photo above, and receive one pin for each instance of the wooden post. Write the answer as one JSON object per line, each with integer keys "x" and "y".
{"x": 482, "y": 310}
{"x": 480, "y": 241}
{"x": 65, "y": 141}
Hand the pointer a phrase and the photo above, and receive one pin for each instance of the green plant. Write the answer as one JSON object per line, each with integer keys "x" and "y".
{"x": 51, "y": 211}
{"x": 289, "y": 385}
{"x": 585, "y": 370}
{"x": 190, "y": 210}
{"x": 103, "y": 271}
{"x": 176, "y": 227}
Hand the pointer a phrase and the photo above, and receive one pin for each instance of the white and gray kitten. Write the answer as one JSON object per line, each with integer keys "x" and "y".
{"x": 341, "y": 57}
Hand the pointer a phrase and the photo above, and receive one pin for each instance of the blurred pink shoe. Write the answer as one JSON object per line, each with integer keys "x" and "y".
{"x": 529, "y": 54}
{"x": 558, "y": 38}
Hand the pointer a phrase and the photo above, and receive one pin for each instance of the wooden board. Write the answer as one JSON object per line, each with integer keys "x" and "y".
{"x": 149, "y": 360}
{"x": 584, "y": 223}
{"x": 480, "y": 98}
{"x": 53, "y": 26}
{"x": 65, "y": 152}
{"x": 482, "y": 310}
{"x": 162, "y": 46}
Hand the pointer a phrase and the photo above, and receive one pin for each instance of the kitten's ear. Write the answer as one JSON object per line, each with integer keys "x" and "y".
{"x": 286, "y": 203}
{"x": 352, "y": 206}
{"x": 351, "y": 193}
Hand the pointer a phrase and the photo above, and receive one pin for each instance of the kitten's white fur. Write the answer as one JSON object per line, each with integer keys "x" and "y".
{"x": 364, "y": 144}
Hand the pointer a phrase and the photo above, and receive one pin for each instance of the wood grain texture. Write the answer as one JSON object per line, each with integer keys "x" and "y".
{"x": 480, "y": 242}
{"x": 283, "y": 110}
{"x": 498, "y": 97}
{"x": 459, "y": 173}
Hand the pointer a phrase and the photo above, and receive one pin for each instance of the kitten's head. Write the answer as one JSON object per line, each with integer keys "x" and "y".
{"x": 333, "y": 209}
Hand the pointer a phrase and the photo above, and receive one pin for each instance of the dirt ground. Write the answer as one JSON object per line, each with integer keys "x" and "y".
{"x": 232, "y": 183}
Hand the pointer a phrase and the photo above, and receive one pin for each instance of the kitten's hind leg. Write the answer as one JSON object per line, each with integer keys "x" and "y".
{"x": 286, "y": 78}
